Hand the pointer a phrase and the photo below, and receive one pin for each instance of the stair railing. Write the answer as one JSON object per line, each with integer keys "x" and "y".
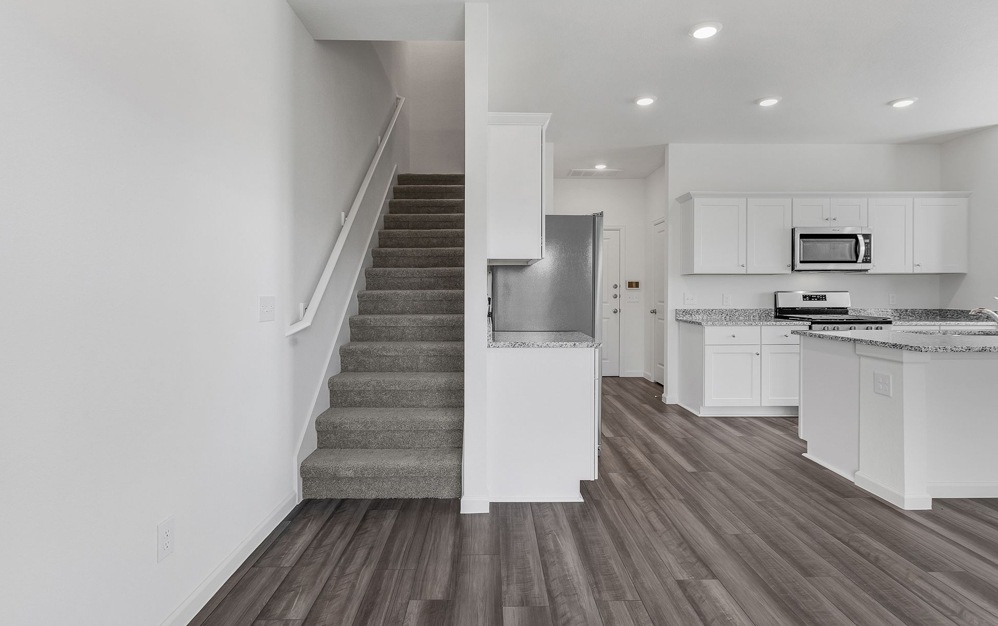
{"x": 341, "y": 238}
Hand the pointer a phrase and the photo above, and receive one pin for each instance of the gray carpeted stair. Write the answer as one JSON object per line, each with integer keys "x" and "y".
{"x": 395, "y": 424}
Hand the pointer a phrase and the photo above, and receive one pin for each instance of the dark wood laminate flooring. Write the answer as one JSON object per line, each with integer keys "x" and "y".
{"x": 693, "y": 521}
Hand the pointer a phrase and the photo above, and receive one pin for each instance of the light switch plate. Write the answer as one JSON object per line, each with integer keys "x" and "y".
{"x": 883, "y": 384}
{"x": 892, "y": 299}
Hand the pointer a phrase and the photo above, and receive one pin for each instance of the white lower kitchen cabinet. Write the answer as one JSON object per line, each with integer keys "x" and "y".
{"x": 780, "y": 375}
{"x": 543, "y": 422}
{"x": 731, "y": 375}
{"x": 739, "y": 370}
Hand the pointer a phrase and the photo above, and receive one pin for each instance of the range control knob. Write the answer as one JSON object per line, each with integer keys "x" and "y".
{"x": 879, "y": 328}
{"x": 852, "y": 328}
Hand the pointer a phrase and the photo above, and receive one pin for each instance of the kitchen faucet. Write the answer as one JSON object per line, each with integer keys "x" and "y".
{"x": 988, "y": 312}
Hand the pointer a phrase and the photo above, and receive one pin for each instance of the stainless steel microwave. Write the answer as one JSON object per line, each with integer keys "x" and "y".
{"x": 833, "y": 249}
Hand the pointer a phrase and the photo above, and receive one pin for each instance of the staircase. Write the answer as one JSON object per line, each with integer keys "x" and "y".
{"x": 395, "y": 424}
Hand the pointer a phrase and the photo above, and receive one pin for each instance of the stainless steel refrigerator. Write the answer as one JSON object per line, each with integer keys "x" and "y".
{"x": 561, "y": 292}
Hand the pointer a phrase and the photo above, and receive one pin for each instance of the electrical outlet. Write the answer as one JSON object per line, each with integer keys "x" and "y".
{"x": 689, "y": 298}
{"x": 268, "y": 306}
{"x": 892, "y": 299}
{"x": 883, "y": 384}
{"x": 725, "y": 299}
{"x": 166, "y": 539}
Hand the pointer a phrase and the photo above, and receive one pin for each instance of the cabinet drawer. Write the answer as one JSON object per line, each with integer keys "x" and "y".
{"x": 773, "y": 335}
{"x": 731, "y": 335}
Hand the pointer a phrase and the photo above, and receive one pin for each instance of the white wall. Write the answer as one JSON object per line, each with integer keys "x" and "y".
{"x": 623, "y": 203}
{"x": 969, "y": 164}
{"x": 436, "y": 117}
{"x": 155, "y": 158}
{"x": 776, "y": 167}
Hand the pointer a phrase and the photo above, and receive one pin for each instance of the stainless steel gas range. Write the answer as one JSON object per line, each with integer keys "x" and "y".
{"x": 825, "y": 310}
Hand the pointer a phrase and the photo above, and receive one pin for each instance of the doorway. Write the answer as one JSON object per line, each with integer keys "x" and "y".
{"x": 612, "y": 302}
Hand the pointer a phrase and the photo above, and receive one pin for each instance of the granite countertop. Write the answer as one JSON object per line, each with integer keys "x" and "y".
{"x": 915, "y": 341}
{"x": 764, "y": 317}
{"x": 732, "y": 317}
{"x": 533, "y": 339}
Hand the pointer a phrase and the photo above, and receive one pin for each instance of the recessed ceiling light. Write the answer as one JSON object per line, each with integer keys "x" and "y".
{"x": 768, "y": 101}
{"x": 645, "y": 101}
{"x": 902, "y": 102}
{"x": 705, "y": 30}
{"x": 600, "y": 166}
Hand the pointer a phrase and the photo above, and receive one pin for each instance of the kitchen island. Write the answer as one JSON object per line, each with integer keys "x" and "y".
{"x": 908, "y": 416}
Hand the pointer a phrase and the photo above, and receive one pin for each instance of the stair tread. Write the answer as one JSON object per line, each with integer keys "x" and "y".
{"x": 400, "y": 319}
{"x": 431, "y": 179}
{"x": 448, "y": 251}
{"x": 415, "y": 272}
{"x": 402, "y": 381}
{"x": 422, "y": 232}
{"x": 402, "y": 348}
{"x": 382, "y": 462}
{"x": 411, "y": 294}
{"x": 388, "y": 418}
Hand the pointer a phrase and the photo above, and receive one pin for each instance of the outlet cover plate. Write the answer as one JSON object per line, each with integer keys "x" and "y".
{"x": 883, "y": 384}
{"x": 268, "y": 307}
{"x": 166, "y": 539}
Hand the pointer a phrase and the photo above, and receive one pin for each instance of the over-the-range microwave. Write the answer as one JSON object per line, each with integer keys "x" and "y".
{"x": 839, "y": 249}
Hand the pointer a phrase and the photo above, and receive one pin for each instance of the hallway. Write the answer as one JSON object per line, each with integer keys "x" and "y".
{"x": 693, "y": 520}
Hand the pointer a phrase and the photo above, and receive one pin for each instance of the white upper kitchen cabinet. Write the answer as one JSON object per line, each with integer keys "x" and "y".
{"x": 940, "y": 235}
{"x": 848, "y": 211}
{"x": 769, "y": 227}
{"x": 817, "y": 212}
{"x": 891, "y": 222}
{"x": 516, "y": 187}
{"x": 715, "y": 229}
{"x": 810, "y": 212}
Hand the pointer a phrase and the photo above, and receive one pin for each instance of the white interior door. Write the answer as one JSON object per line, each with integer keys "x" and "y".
{"x": 611, "y": 302}
{"x": 658, "y": 298}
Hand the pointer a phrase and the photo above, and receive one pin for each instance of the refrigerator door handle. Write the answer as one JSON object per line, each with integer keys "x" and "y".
{"x": 598, "y": 277}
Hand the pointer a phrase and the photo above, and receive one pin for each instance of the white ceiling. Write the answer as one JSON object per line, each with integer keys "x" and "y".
{"x": 835, "y": 63}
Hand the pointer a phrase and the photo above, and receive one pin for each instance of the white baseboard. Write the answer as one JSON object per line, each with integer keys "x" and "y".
{"x": 632, "y": 374}
{"x": 214, "y": 581}
{"x": 649, "y": 376}
{"x": 741, "y": 411}
{"x": 920, "y": 502}
{"x": 670, "y": 399}
{"x": 474, "y": 505}
{"x": 963, "y": 490}
{"x": 850, "y": 476}
{"x": 559, "y": 498}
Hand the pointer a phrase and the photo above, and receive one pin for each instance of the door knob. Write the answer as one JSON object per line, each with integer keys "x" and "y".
{"x": 653, "y": 311}
{"x": 615, "y": 310}
{"x": 614, "y": 285}
{"x": 614, "y": 296}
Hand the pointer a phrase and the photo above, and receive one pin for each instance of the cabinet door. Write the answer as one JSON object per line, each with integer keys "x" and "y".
{"x": 515, "y": 211}
{"x": 891, "y": 222}
{"x": 940, "y": 235}
{"x": 719, "y": 236}
{"x": 768, "y": 247}
{"x": 810, "y": 212}
{"x": 731, "y": 375}
{"x": 848, "y": 212}
{"x": 780, "y": 375}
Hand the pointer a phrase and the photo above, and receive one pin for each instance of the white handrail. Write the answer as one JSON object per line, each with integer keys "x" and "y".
{"x": 334, "y": 256}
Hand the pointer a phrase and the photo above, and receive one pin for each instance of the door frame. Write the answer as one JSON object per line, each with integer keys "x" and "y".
{"x": 620, "y": 320}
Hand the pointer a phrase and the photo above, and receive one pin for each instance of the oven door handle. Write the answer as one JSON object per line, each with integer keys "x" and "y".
{"x": 861, "y": 241}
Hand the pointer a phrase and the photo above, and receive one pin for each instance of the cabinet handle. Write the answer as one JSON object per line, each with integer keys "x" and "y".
{"x": 835, "y": 219}
{"x": 757, "y": 354}
{"x": 742, "y": 265}
{"x": 733, "y": 336}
